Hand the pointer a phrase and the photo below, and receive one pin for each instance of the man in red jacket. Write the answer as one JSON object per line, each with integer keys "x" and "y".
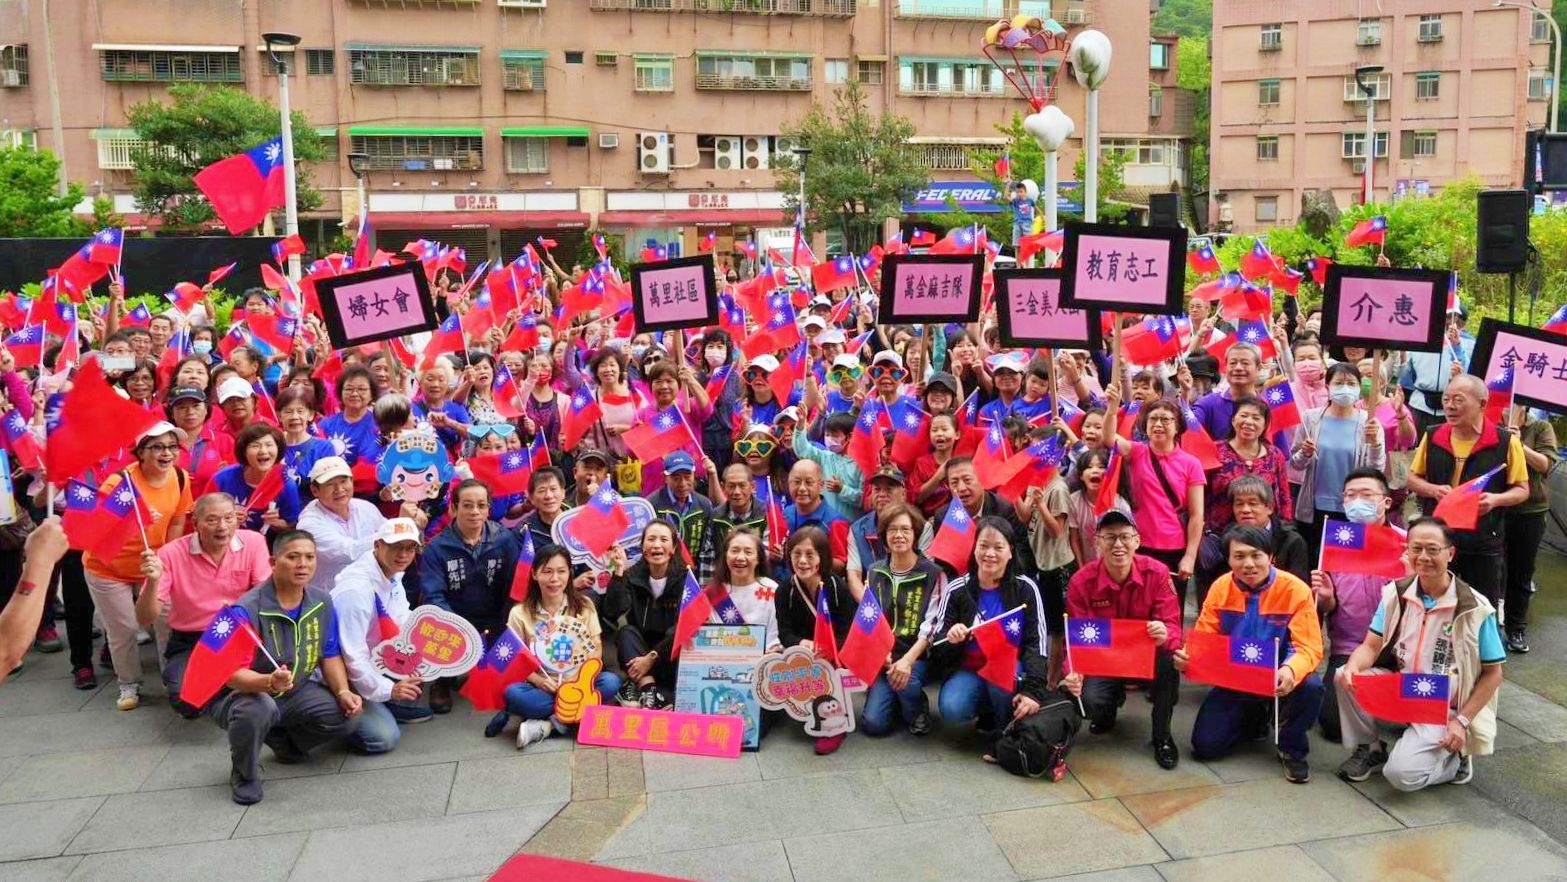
{"x": 1120, "y": 584}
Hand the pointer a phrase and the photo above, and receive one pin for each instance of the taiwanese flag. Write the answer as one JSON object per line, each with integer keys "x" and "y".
{"x": 15, "y": 308}
{"x": 402, "y": 353}
{"x": 1258, "y": 262}
{"x": 954, "y": 542}
{"x": 61, "y": 320}
{"x": 910, "y": 430}
{"x": 1318, "y": 267}
{"x": 502, "y": 285}
{"x": 1128, "y": 421}
{"x": 800, "y": 253}
{"x": 186, "y": 295}
{"x": 1196, "y": 440}
{"x": 1283, "y": 412}
{"x": 235, "y": 338}
{"x": 107, "y": 246}
{"x": 1460, "y": 508}
{"x": 833, "y": 274}
{"x": 719, "y": 380}
{"x": 1110, "y": 648}
{"x": 1000, "y": 640}
{"x": 962, "y": 240}
{"x": 504, "y": 473}
{"x": 708, "y": 242}
{"x": 228, "y": 645}
{"x": 505, "y": 394}
{"x": 274, "y": 330}
{"x": 1034, "y": 465}
{"x": 1152, "y": 341}
{"x": 1369, "y": 549}
{"x": 524, "y": 572}
{"x": 19, "y": 439}
{"x": 266, "y": 492}
{"x": 1499, "y": 395}
{"x": 695, "y": 609}
{"x": 1371, "y": 231}
{"x": 866, "y": 441}
{"x": 922, "y": 238}
{"x": 507, "y": 661}
{"x": 139, "y": 317}
{"x": 777, "y": 525}
{"x": 447, "y": 338}
{"x": 1110, "y": 484}
{"x": 581, "y": 414}
{"x": 654, "y": 253}
{"x": 94, "y": 422}
{"x": 968, "y": 414}
{"x": 1288, "y": 280}
{"x": 246, "y": 186}
{"x": 27, "y": 346}
{"x": 481, "y": 315}
{"x": 1404, "y": 698}
{"x": 1241, "y": 664}
{"x": 747, "y": 247}
{"x": 600, "y": 522}
{"x": 789, "y": 373}
{"x": 1004, "y": 167}
{"x": 990, "y": 459}
{"x": 1213, "y": 289}
{"x": 821, "y": 633}
{"x": 852, "y": 346}
{"x": 865, "y": 650}
{"x": 1253, "y": 332}
{"x": 525, "y": 336}
{"x": 79, "y": 272}
{"x": 385, "y": 626}
{"x": 655, "y": 438}
{"x": 102, "y": 522}
{"x": 1557, "y": 323}
{"x": 1203, "y": 260}
{"x": 286, "y": 246}
{"x": 778, "y": 329}
{"x": 1246, "y": 303}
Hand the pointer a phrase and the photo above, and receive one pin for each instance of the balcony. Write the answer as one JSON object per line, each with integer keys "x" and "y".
{"x": 990, "y": 10}
{"x": 741, "y": 83}
{"x": 826, "y": 8}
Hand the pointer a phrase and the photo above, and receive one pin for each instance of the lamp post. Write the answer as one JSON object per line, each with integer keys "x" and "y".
{"x": 1369, "y": 181}
{"x": 356, "y": 165}
{"x": 290, "y": 198}
{"x": 1090, "y": 58}
{"x": 1556, "y": 66}
{"x": 804, "y": 155}
{"x": 1051, "y": 127}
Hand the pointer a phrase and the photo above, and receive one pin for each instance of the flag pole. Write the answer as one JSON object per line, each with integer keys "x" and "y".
{"x": 1066, "y": 620}
{"x": 985, "y": 622}
{"x": 1275, "y": 696}
{"x": 136, "y": 510}
{"x": 260, "y": 645}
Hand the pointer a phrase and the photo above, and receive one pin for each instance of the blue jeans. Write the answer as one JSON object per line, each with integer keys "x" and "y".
{"x": 883, "y": 704}
{"x": 1226, "y": 718}
{"x": 377, "y": 732}
{"x": 961, "y": 697}
{"x": 532, "y": 703}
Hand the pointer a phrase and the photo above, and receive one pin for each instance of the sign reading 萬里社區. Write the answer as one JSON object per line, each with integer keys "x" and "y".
{"x": 1029, "y": 312}
{"x": 672, "y": 294}
{"x": 1385, "y": 307}
{"x": 1130, "y": 269}
{"x": 376, "y": 304}
{"x": 930, "y": 288}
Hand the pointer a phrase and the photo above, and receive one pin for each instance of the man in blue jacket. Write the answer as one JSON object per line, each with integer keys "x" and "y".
{"x": 690, "y": 512}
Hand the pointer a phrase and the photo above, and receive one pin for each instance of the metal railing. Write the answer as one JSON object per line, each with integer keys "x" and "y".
{"x": 753, "y": 83}
{"x": 832, "y": 8}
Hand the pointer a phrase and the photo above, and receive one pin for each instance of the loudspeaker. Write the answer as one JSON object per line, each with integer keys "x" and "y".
{"x": 1502, "y": 234}
{"x": 1164, "y": 210}
{"x": 1545, "y": 161}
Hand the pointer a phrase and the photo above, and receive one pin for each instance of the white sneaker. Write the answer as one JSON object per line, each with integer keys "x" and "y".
{"x": 532, "y": 732}
{"x": 130, "y": 697}
{"x": 143, "y": 638}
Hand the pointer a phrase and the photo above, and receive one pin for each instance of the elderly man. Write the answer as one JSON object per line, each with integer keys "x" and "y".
{"x": 1242, "y": 369}
{"x": 195, "y": 577}
{"x": 740, "y": 508}
{"x": 302, "y": 702}
{"x": 344, "y": 527}
{"x": 690, "y": 512}
{"x": 1252, "y": 505}
{"x": 1466, "y": 447}
{"x": 963, "y": 483}
{"x": 808, "y": 506}
{"x": 365, "y": 589}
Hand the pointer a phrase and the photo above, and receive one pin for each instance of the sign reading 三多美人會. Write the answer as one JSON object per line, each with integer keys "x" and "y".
{"x": 930, "y": 288}
{"x": 1385, "y": 307}
{"x": 1537, "y": 358}
{"x": 672, "y": 294}
{"x": 376, "y": 304}
{"x": 1126, "y": 269}
{"x": 1029, "y": 312}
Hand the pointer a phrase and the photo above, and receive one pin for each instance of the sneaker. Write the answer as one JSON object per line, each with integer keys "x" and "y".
{"x": 825, "y": 746}
{"x": 1466, "y": 771}
{"x": 143, "y": 638}
{"x": 48, "y": 640}
{"x": 83, "y": 678}
{"x": 532, "y": 732}
{"x": 1517, "y": 642}
{"x": 1165, "y": 753}
{"x": 496, "y": 725}
{"x": 1366, "y": 761}
{"x": 920, "y": 725}
{"x": 647, "y": 698}
{"x": 1102, "y": 725}
{"x": 629, "y": 695}
{"x": 130, "y": 697}
{"x": 244, "y": 790}
{"x": 1295, "y": 770}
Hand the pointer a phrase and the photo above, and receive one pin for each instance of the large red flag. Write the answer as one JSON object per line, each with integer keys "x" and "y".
{"x": 1243, "y": 664}
{"x": 1460, "y": 508}
{"x": 1110, "y": 484}
{"x": 101, "y": 523}
{"x": 94, "y": 423}
{"x": 1370, "y": 549}
{"x": 695, "y": 609}
{"x": 504, "y": 473}
{"x": 228, "y": 644}
{"x": 508, "y": 661}
{"x": 1000, "y": 639}
{"x": 1404, "y": 698}
{"x": 822, "y": 637}
{"x": 581, "y": 414}
{"x": 870, "y": 639}
{"x": 245, "y": 187}
{"x": 266, "y": 492}
{"x": 1110, "y": 648}
{"x": 600, "y": 522}
{"x": 954, "y": 541}
{"x": 660, "y": 435}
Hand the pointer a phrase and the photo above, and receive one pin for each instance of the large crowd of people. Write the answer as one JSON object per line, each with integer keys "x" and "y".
{"x": 788, "y": 507}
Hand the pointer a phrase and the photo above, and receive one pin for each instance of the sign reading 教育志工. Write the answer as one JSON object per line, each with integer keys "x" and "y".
{"x": 1130, "y": 269}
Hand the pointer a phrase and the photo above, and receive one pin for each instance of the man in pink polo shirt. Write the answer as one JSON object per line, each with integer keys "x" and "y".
{"x": 195, "y": 577}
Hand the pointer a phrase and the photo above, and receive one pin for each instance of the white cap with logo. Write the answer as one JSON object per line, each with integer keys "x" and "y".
{"x": 398, "y": 530}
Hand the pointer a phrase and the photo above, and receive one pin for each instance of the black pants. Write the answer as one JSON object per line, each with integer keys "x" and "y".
{"x": 1524, "y": 532}
{"x": 1328, "y": 716}
{"x": 1172, "y": 559}
{"x": 1483, "y": 571}
{"x": 1102, "y": 696}
{"x": 631, "y": 642}
{"x": 78, "y": 608}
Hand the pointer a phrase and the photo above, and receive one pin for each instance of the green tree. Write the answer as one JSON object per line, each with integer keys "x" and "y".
{"x": 197, "y": 127}
{"x": 29, "y": 207}
{"x": 1194, "y": 72}
{"x": 860, "y": 169}
{"x": 1186, "y": 18}
{"x": 1028, "y": 162}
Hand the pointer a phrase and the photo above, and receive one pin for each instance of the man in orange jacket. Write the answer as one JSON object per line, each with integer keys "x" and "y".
{"x": 1257, "y": 601}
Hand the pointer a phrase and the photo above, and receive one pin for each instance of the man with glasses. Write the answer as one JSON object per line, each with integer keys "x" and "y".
{"x": 191, "y": 579}
{"x": 1460, "y": 450}
{"x": 1428, "y": 623}
{"x": 1122, "y": 584}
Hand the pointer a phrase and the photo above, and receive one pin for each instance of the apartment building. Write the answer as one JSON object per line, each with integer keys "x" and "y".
{"x": 1460, "y": 84}
{"x": 490, "y": 122}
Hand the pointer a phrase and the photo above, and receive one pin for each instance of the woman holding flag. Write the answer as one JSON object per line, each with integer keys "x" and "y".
{"x": 906, "y": 585}
{"x": 1524, "y": 524}
{"x": 257, "y": 482}
{"x": 1331, "y": 442}
{"x": 814, "y": 606}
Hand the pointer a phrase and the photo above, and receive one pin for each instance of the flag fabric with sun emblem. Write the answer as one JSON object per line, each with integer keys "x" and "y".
{"x": 100, "y": 523}
{"x": 245, "y": 187}
{"x": 1404, "y": 698}
{"x": 954, "y": 541}
{"x": 1242, "y": 664}
{"x": 1000, "y": 640}
{"x": 1372, "y": 231}
{"x": 228, "y": 644}
{"x": 107, "y": 246}
{"x": 870, "y": 639}
{"x": 661, "y": 434}
{"x": 581, "y": 414}
{"x": 1371, "y": 549}
{"x": 504, "y": 473}
{"x": 1461, "y": 508}
{"x": 1110, "y": 648}
{"x": 508, "y": 661}
{"x": 599, "y": 523}
{"x": 1284, "y": 413}
{"x": 695, "y": 609}
{"x": 1203, "y": 260}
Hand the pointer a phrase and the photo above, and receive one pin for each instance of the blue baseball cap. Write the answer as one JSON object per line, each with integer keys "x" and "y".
{"x": 679, "y": 461}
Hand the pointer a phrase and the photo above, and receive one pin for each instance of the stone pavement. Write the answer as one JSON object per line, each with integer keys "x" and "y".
{"x": 87, "y": 792}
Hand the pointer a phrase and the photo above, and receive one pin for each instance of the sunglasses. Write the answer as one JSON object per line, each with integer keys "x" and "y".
{"x": 753, "y": 374}
{"x": 837, "y": 374}
{"x": 758, "y": 446}
{"x": 500, "y": 430}
{"x": 879, "y": 371}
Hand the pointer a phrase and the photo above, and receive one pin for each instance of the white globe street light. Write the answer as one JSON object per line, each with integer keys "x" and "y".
{"x": 1050, "y": 128}
{"x": 1090, "y": 57}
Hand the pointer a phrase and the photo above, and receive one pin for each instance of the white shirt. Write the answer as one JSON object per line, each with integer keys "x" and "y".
{"x": 339, "y": 542}
{"x": 755, "y": 603}
{"x": 353, "y": 600}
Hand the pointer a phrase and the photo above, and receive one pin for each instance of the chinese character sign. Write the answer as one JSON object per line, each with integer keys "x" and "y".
{"x": 1029, "y": 312}
{"x": 1384, "y": 307}
{"x": 610, "y": 725}
{"x": 930, "y": 288}
{"x": 806, "y": 687}
{"x": 433, "y": 643}
{"x": 674, "y": 294}
{"x": 1136, "y": 269}
{"x": 717, "y": 675}
{"x": 376, "y": 304}
{"x": 1537, "y": 359}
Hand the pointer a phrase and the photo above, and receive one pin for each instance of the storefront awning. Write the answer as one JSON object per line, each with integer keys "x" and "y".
{"x": 546, "y": 132}
{"x": 431, "y": 131}
{"x": 436, "y": 220}
{"x": 771, "y": 217}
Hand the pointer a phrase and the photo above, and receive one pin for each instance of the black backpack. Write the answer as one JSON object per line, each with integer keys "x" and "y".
{"x": 1036, "y": 746}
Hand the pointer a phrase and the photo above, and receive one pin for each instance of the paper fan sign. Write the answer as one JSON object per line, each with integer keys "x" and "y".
{"x": 435, "y": 644}
{"x": 562, "y": 644}
{"x": 800, "y": 683}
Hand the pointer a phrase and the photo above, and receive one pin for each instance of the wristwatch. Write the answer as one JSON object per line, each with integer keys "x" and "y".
{"x": 1462, "y": 721}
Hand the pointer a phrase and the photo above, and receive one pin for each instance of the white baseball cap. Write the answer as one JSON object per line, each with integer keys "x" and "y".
{"x": 766, "y": 362}
{"x": 234, "y": 387}
{"x": 398, "y": 530}
{"x": 889, "y": 357}
{"x": 159, "y": 429}
{"x": 329, "y": 467}
{"x": 816, "y": 320}
{"x": 846, "y": 360}
{"x": 831, "y": 335}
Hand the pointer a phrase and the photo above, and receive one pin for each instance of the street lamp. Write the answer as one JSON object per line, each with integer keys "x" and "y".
{"x": 290, "y": 199}
{"x": 357, "y": 165}
{"x": 804, "y": 155}
{"x": 1556, "y": 66}
{"x": 1090, "y": 56}
{"x": 1051, "y": 127}
{"x": 1371, "y": 128}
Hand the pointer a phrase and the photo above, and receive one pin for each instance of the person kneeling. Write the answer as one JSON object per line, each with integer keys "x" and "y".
{"x": 1429, "y": 623}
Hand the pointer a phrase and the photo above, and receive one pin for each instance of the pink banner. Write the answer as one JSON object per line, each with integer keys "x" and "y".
{"x": 932, "y": 290}
{"x": 1390, "y": 310}
{"x": 1034, "y": 315}
{"x": 1538, "y": 360}
{"x": 605, "y": 725}
{"x": 376, "y": 308}
{"x": 673, "y": 295}
{"x": 1122, "y": 271}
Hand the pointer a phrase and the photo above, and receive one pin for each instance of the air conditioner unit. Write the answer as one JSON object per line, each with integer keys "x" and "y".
{"x": 442, "y": 163}
{"x": 1077, "y": 16}
{"x": 755, "y": 151}
{"x": 609, "y": 140}
{"x": 1358, "y": 166}
{"x": 782, "y": 146}
{"x": 653, "y": 153}
{"x": 726, "y": 152}
{"x": 10, "y": 78}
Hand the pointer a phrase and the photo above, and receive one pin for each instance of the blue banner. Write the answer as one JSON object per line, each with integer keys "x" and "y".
{"x": 980, "y": 197}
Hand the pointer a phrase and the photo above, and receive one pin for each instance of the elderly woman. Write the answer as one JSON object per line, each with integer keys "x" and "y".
{"x": 435, "y": 406}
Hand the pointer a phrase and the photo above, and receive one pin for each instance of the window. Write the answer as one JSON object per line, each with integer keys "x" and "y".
{"x": 1381, "y": 86}
{"x": 871, "y": 73}
{"x": 1272, "y": 37}
{"x": 1354, "y": 145}
{"x": 1159, "y": 56}
{"x": 528, "y": 156}
{"x": 1155, "y": 101}
{"x": 948, "y": 157}
{"x": 1428, "y": 85}
{"x": 412, "y": 66}
{"x": 1369, "y": 33}
{"x": 19, "y": 138}
{"x": 1145, "y": 151}
{"x": 320, "y": 62}
{"x": 836, "y": 70}
{"x": 654, "y": 73}
{"x": 573, "y": 56}
{"x": 13, "y": 65}
{"x": 606, "y": 59}
{"x": 1266, "y": 209}
{"x": 1425, "y": 145}
{"x": 421, "y": 152}
{"x": 1430, "y": 29}
{"x": 1267, "y": 148}
{"x": 1539, "y": 85}
{"x": 522, "y": 70}
{"x": 943, "y": 77}
{"x": 163, "y": 66}
{"x": 1267, "y": 92}
{"x": 115, "y": 147}
{"x": 1539, "y": 29}
{"x": 779, "y": 73}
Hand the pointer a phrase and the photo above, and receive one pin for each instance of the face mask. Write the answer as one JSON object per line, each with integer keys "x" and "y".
{"x": 1360, "y": 511}
{"x": 1344, "y": 395}
{"x": 1310, "y": 371}
{"x": 1314, "y": 326}
{"x": 716, "y": 360}
{"x": 544, "y": 344}
{"x": 834, "y": 444}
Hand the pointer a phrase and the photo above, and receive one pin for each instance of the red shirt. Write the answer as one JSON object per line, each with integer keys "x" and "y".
{"x": 916, "y": 477}
{"x": 1147, "y": 594}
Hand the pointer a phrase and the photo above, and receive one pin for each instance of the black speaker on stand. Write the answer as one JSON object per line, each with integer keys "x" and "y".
{"x": 1502, "y": 236}
{"x": 1164, "y": 210}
